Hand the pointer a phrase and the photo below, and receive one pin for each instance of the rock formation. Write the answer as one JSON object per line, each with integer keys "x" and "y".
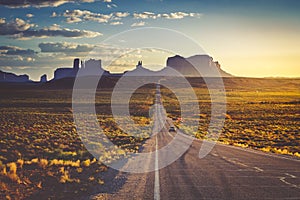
{"x": 90, "y": 67}
{"x": 10, "y": 77}
{"x": 195, "y": 66}
{"x": 192, "y": 65}
{"x": 43, "y": 79}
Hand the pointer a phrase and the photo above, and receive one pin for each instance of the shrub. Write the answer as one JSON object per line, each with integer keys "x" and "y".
{"x": 65, "y": 177}
{"x": 101, "y": 182}
{"x": 43, "y": 163}
{"x": 65, "y": 163}
{"x": 72, "y": 163}
{"x": 12, "y": 167}
{"x": 20, "y": 163}
{"x": 56, "y": 162}
{"x": 34, "y": 160}
{"x": 86, "y": 163}
{"x": 12, "y": 174}
{"x": 3, "y": 170}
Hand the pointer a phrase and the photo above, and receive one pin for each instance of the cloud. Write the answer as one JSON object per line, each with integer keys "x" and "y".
{"x": 62, "y": 32}
{"x": 107, "y": 1}
{"x": 29, "y": 15}
{"x": 73, "y": 20}
{"x": 19, "y": 29}
{"x": 146, "y": 15}
{"x": 141, "y": 23}
{"x": 15, "y": 56}
{"x": 7, "y": 68}
{"x": 173, "y": 15}
{"x": 27, "y": 52}
{"x": 116, "y": 23}
{"x": 197, "y": 15}
{"x": 14, "y": 50}
{"x": 111, "y": 5}
{"x": 13, "y": 27}
{"x": 65, "y": 47}
{"x": 5, "y": 48}
{"x": 181, "y": 15}
{"x": 54, "y": 14}
{"x": 177, "y": 15}
{"x": 39, "y": 3}
{"x": 121, "y": 14}
{"x": 77, "y": 15}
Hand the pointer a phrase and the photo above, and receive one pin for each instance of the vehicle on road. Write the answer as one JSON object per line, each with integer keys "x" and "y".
{"x": 172, "y": 129}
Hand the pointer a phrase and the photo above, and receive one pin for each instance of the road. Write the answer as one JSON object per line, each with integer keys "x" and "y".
{"x": 227, "y": 172}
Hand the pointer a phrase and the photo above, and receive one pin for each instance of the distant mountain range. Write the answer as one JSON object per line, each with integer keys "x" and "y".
{"x": 194, "y": 66}
{"x": 11, "y": 77}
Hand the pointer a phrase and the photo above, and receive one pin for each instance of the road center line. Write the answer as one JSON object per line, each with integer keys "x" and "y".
{"x": 170, "y": 134}
{"x": 288, "y": 183}
{"x": 258, "y": 169}
{"x": 156, "y": 181}
{"x": 290, "y": 175}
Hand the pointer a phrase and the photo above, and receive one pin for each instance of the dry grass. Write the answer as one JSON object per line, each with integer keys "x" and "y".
{"x": 41, "y": 151}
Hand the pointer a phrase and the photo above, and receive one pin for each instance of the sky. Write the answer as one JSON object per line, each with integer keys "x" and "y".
{"x": 257, "y": 38}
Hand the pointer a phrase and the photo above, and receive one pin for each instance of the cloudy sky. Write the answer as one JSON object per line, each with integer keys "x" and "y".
{"x": 258, "y": 38}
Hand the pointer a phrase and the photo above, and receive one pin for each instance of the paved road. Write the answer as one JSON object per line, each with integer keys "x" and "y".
{"x": 225, "y": 173}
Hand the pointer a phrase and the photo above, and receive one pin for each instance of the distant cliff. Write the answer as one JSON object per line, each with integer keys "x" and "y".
{"x": 10, "y": 77}
{"x": 176, "y": 66}
{"x": 188, "y": 67}
{"x": 204, "y": 64}
{"x": 140, "y": 71}
{"x": 89, "y": 67}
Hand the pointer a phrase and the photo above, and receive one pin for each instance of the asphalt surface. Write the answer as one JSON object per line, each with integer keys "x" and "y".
{"x": 227, "y": 172}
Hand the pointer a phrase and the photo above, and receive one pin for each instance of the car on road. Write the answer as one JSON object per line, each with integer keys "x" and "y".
{"x": 172, "y": 129}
